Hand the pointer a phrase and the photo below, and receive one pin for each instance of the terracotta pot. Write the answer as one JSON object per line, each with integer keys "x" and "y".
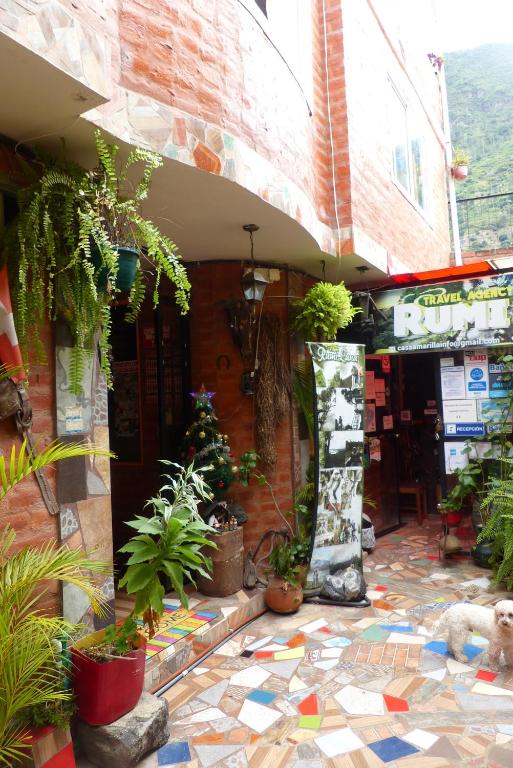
{"x": 105, "y": 692}
{"x": 282, "y": 597}
{"x": 302, "y": 573}
{"x": 459, "y": 172}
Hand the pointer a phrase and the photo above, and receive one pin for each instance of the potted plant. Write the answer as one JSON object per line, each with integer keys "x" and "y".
{"x": 300, "y": 551}
{"x": 108, "y": 666}
{"x": 460, "y": 161}
{"x": 494, "y": 547}
{"x": 68, "y": 247}
{"x": 48, "y": 725}
{"x": 226, "y": 577}
{"x": 31, "y": 675}
{"x": 325, "y": 308}
{"x": 284, "y": 593}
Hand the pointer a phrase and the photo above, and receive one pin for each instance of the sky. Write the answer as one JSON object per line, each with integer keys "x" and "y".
{"x": 469, "y": 23}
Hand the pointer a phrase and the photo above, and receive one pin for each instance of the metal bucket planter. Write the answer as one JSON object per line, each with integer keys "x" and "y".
{"x": 228, "y": 565}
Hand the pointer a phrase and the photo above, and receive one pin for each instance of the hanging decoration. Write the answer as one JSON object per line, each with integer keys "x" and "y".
{"x": 272, "y": 389}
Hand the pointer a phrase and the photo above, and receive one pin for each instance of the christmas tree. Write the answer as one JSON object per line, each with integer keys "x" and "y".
{"x": 207, "y": 447}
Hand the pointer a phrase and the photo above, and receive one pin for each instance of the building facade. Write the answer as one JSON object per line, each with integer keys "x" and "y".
{"x": 320, "y": 122}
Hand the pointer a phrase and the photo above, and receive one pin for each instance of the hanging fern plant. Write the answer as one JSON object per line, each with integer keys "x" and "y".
{"x": 325, "y": 308}
{"x": 63, "y": 253}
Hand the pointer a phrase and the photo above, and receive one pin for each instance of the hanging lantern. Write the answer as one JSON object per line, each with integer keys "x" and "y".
{"x": 253, "y": 281}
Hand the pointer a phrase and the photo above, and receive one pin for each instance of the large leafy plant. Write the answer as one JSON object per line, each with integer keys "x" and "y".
{"x": 325, "y": 308}
{"x": 283, "y": 563}
{"x": 31, "y": 677}
{"x": 63, "y": 256}
{"x": 169, "y": 545}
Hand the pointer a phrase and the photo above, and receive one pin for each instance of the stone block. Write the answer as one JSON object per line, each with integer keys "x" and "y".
{"x": 124, "y": 742}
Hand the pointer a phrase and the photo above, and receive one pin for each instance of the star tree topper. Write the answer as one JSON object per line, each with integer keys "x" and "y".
{"x": 202, "y": 399}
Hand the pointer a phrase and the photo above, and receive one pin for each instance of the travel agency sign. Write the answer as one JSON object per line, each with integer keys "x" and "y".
{"x": 477, "y": 312}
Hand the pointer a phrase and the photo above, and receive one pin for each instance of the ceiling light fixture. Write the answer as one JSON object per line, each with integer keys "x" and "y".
{"x": 253, "y": 281}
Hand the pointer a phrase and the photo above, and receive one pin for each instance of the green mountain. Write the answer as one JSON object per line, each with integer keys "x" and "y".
{"x": 480, "y": 95}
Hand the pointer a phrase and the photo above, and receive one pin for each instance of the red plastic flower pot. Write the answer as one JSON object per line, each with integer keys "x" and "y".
{"x": 105, "y": 692}
{"x": 49, "y": 747}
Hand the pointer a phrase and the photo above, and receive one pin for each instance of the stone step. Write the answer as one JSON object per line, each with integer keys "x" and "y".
{"x": 232, "y": 611}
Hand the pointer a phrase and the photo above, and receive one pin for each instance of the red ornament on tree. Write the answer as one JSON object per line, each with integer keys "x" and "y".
{"x": 220, "y": 484}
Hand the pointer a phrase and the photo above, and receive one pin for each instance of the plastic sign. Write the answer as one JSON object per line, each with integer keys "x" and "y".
{"x": 445, "y": 316}
{"x": 339, "y": 378}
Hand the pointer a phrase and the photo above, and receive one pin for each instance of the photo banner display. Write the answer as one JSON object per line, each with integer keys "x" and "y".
{"x": 445, "y": 316}
{"x": 339, "y": 401}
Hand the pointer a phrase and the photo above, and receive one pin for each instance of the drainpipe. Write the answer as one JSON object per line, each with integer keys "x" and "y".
{"x": 448, "y": 160}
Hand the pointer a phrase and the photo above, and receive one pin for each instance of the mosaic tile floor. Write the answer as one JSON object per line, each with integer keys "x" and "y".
{"x": 352, "y": 687}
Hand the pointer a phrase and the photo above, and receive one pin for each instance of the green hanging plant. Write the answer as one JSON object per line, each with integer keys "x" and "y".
{"x": 325, "y": 308}
{"x": 63, "y": 252}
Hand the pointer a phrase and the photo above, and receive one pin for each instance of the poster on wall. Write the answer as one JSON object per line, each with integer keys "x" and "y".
{"x": 453, "y": 382}
{"x": 335, "y": 572}
{"x": 501, "y": 379}
{"x": 476, "y": 373}
{"x": 456, "y": 457}
{"x": 495, "y": 414}
{"x": 370, "y": 417}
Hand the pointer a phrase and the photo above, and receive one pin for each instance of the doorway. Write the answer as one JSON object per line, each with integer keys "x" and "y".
{"x": 402, "y": 470}
{"x": 418, "y": 443}
{"x": 147, "y": 406}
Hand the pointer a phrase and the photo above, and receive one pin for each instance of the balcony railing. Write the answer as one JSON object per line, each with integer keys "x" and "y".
{"x": 486, "y": 222}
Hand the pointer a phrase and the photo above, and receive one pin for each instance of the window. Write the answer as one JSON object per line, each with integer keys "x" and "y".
{"x": 262, "y": 5}
{"x": 408, "y": 150}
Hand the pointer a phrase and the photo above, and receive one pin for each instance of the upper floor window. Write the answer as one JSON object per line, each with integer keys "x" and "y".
{"x": 262, "y": 4}
{"x": 408, "y": 150}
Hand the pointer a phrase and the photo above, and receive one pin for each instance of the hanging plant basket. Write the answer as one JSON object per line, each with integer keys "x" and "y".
{"x": 459, "y": 172}
{"x": 128, "y": 264}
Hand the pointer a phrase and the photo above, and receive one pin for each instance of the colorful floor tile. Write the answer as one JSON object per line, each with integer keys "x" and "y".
{"x": 334, "y": 687}
{"x": 176, "y": 624}
{"x": 392, "y": 749}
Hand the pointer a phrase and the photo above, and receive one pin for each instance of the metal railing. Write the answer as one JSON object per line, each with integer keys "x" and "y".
{"x": 486, "y": 222}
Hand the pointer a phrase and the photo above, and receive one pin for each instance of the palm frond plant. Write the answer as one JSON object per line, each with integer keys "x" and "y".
{"x": 303, "y": 389}
{"x": 31, "y": 675}
{"x": 65, "y": 246}
{"x": 23, "y": 462}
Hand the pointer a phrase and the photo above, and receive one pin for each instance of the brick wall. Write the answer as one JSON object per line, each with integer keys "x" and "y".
{"x": 496, "y": 253}
{"x": 212, "y": 284}
{"x": 213, "y": 61}
{"x": 372, "y": 58}
{"x": 23, "y": 508}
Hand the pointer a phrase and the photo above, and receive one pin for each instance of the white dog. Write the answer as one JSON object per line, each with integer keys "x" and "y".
{"x": 496, "y": 624}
